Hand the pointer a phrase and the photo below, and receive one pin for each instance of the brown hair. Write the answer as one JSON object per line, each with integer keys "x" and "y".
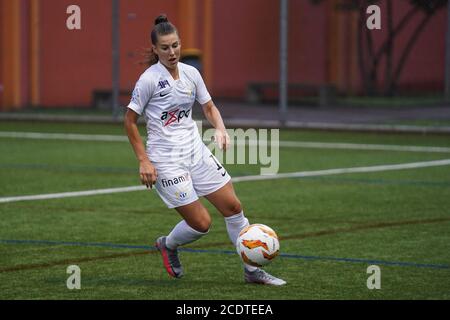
{"x": 162, "y": 27}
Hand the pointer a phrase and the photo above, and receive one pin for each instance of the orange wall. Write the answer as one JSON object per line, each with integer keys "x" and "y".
{"x": 425, "y": 66}
{"x": 245, "y": 42}
{"x": 137, "y": 20}
{"x": 11, "y": 54}
{"x": 2, "y": 85}
{"x": 73, "y": 62}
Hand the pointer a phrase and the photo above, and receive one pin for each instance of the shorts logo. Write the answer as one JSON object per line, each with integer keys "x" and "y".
{"x": 162, "y": 84}
{"x": 181, "y": 194}
{"x": 170, "y": 182}
{"x": 174, "y": 116}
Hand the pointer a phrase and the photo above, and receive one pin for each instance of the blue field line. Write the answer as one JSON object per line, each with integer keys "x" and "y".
{"x": 79, "y": 244}
{"x": 217, "y": 251}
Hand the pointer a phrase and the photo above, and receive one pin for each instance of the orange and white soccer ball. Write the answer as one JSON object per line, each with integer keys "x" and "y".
{"x": 257, "y": 245}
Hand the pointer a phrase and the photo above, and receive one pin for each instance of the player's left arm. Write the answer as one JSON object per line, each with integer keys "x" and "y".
{"x": 212, "y": 114}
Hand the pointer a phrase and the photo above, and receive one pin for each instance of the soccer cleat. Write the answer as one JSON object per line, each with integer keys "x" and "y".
{"x": 170, "y": 258}
{"x": 262, "y": 277}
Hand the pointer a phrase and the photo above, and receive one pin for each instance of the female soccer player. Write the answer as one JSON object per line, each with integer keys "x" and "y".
{"x": 175, "y": 160}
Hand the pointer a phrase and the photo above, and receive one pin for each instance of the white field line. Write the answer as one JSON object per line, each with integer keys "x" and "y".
{"x": 71, "y": 194}
{"x": 62, "y": 136}
{"x": 379, "y": 168}
{"x": 359, "y": 146}
{"x": 285, "y": 144}
{"x": 387, "y": 167}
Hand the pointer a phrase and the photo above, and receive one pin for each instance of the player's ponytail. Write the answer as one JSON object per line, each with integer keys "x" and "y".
{"x": 162, "y": 27}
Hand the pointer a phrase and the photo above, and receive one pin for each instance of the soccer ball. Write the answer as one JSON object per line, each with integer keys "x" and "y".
{"x": 257, "y": 245}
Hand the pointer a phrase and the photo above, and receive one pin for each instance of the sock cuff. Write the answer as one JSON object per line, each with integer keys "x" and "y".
{"x": 235, "y": 217}
{"x": 196, "y": 231}
{"x": 182, "y": 234}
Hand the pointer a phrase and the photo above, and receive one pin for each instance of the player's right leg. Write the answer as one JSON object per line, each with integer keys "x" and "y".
{"x": 195, "y": 224}
{"x": 174, "y": 187}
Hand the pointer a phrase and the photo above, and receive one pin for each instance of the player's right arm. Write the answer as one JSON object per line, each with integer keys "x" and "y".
{"x": 142, "y": 92}
{"x": 147, "y": 171}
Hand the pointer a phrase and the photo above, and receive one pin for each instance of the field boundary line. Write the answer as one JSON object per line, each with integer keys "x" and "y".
{"x": 71, "y": 194}
{"x": 63, "y": 136}
{"x": 242, "y": 122}
{"x": 283, "y": 143}
{"x": 316, "y": 173}
{"x": 299, "y": 174}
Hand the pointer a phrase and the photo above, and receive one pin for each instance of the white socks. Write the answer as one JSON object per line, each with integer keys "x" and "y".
{"x": 235, "y": 224}
{"x": 182, "y": 234}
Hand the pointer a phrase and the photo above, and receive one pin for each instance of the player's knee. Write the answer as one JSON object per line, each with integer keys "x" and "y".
{"x": 235, "y": 207}
{"x": 204, "y": 223}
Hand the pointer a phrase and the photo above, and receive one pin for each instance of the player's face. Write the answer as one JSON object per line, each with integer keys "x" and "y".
{"x": 168, "y": 49}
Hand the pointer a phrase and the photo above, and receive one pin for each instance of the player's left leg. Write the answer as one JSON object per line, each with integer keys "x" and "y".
{"x": 212, "y": 181}
{"x": 225, "y": 200}
{"x": 228, "y": 204}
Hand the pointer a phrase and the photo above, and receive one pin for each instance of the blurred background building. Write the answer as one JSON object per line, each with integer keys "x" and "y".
{"x": 235, "y": 43}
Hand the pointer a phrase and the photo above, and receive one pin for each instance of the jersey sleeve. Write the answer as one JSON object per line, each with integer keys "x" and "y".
{"x": 202, "y": 94}
{"x": 142, "y": 92}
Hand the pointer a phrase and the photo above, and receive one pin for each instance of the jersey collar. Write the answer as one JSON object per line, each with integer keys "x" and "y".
{"x": 171, "y": 79}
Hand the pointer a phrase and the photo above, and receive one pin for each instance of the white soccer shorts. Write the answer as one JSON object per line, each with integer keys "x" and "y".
{"x": 179, "y": 184}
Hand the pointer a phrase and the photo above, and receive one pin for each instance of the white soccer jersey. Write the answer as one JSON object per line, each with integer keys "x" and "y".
{"x": 167, "y": 106}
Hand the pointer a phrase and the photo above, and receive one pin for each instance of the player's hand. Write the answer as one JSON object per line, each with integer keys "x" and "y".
{"x": 222, "y": 139}
{"x": 147, "y": 173}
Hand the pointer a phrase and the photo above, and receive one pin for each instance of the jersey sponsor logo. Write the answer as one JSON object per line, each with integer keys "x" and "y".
{"x": 170, "y": 182}
{"x": 174, "y": 116}
{"x": 162, "y": 84}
